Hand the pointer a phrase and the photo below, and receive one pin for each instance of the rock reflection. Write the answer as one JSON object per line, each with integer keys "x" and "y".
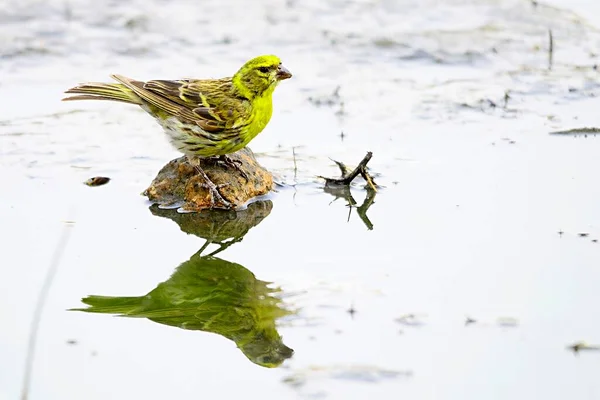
{"x": 210, "y": 294}
{"x": 220, "y": 227}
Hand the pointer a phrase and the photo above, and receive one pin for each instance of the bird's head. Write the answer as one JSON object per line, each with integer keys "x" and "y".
{"x": 260, "y": 76}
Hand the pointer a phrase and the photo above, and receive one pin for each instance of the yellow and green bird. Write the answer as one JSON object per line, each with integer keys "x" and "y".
{"x": 202, "y": 117}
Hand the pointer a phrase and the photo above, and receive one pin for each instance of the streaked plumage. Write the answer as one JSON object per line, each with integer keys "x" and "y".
{"x": 202, "y": 117}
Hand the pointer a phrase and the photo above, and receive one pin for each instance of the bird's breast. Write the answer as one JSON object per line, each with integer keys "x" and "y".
{"x": 261, "y": 113}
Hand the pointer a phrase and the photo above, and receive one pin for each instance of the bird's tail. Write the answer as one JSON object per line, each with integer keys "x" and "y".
{"x": 103, "y": 91}
{"x": 110, "y": 305}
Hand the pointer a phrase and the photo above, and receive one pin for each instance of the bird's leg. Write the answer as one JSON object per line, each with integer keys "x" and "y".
{"x": 213, "y": 189}
{"x": 235, "y": 164}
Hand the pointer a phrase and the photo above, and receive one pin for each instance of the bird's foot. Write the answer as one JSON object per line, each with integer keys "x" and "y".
{"x": 235, "y": 164}
{"x": 213, "y": 189}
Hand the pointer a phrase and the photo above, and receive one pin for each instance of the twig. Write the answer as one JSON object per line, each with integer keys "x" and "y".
{"x": 39, "y": 308}
{"x": 349, "y": 212}
{"x": 368, "y": 178}
{"x": 342, "y": 191}
{"x": 362, "y": 210}
{"x": 342, "y": 166}
{"x": 295, "y": 166}
{"x": 550, "y": 49}
{"x": 346, "y": 179}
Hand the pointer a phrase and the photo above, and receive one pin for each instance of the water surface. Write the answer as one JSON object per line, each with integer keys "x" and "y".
{"x": 465, "y": 277}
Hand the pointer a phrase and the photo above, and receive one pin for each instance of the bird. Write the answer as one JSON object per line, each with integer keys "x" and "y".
{"x": 201, "y": 117}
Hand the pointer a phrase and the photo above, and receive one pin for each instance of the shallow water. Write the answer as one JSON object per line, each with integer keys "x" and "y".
{"x": 452, "y": 282}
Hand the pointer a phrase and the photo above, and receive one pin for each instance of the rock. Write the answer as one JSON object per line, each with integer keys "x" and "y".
{"x": 178, "y": 183}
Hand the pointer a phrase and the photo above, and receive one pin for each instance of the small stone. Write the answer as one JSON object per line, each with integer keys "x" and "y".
{"x": 97, "y": 181}
{"x": 179, "y": 183}
{"x": 579, "y": 346}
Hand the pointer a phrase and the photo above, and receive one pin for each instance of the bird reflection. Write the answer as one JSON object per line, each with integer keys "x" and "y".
{"x": 210, "y": 294}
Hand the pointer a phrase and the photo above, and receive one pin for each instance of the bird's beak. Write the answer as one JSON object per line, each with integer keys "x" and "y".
{"x": 283, "y": 73}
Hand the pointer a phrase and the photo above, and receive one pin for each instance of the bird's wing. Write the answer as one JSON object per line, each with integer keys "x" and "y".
{"x": 200, "y": 102}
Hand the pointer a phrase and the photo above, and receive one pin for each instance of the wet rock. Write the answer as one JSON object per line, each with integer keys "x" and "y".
{"x": 178, "y": 183}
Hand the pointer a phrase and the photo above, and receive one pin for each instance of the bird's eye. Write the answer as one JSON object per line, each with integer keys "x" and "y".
{"x": 264, "y": 70}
